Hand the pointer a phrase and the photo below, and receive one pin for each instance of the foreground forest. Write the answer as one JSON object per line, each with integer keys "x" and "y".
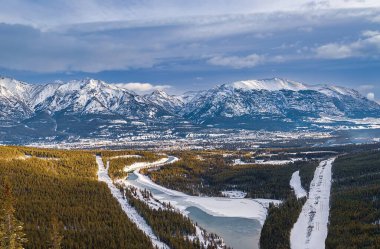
{"x": 59, "y": 189}
{"x": 52, "y": 198}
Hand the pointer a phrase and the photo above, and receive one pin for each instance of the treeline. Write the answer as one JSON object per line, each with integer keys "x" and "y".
{"x": 275, "y": 233}
{"x": 115, "y": 153}
{"x": 212, "y": 175}
{"x": 355, "y": 202}
{"x": 170, "y": 226}
{"x": 66, "y": 190}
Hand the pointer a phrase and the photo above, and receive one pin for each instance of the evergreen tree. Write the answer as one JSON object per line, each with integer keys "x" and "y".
{"x": 11, "y": 230}
{"x": 55, "y": 235}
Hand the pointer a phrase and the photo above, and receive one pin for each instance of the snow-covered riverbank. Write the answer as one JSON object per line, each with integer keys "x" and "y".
{"x": 310, "y": 230}
{"x": 158, "y": 163}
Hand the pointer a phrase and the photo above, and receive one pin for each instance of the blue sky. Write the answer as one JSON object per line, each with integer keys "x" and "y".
{"x": 189, "y": 45}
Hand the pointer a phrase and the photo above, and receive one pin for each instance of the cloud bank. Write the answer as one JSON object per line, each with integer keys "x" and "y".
{"x": 174, "y": 40}
{"x": 141, "y": 87}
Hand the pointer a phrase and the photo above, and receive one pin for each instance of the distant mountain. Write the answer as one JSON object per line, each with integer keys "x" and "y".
{"x": 82, "y": 97}
{"x": 255, "y": 101}
{"x": 92, "y": 108}
{"x": 171, "y": 103}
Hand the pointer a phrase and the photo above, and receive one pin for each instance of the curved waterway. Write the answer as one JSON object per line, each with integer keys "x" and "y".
{"x": 208, "y": 212}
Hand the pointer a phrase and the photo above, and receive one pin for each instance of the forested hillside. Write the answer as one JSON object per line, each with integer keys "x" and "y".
{"x": 355, "y": 202}
{"x": 56, "y": 195}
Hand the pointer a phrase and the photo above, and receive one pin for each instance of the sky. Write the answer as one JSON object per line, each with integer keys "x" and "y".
{"x": 182, "y": 45}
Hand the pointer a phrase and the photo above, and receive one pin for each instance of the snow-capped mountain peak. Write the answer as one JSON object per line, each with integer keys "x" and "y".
{"x": 17, "y": 88}
{"x": 169, "y": 102}
{"x": 274, "y": 84}
{"x": 247, "y": 104}
{"x": 278, "y": 84}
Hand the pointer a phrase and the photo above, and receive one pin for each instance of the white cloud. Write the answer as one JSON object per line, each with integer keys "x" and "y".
{"x": 367, "y": 46}
{"x": 94, "y": 35}
{"x": 44, "y": 13}
{"x": 334, "y": 51}
{"x": 366, "y": 87}
{"x": 376, "y": 19}
{"x": 141, "y": 87}
{"x": 370, "y": 33}
{"x": 236, "y": 61}
{"x": 371, "y": 96}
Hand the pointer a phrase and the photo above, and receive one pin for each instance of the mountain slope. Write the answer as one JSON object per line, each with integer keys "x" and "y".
{"x": 170, "y": 102}
{"x": 250, "y": 101}
{"x": 92, "y": 108}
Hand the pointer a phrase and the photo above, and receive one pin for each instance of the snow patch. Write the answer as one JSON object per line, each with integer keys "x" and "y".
{"x": 295, "y": 184}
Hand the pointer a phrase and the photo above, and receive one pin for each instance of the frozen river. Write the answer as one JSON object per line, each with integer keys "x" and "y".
{"x": 237, "y": 221}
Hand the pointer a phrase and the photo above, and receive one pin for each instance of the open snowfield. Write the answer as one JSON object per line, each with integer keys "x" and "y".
{"x": 130, "y": 211}
{"x": 310, "y": 230}
{"x": 295, "y": 184}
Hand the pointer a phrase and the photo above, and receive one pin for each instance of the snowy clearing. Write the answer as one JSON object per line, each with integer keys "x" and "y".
{"x": 128, "y": 210}
{"x": 310, "y": 230}
{"x": 295, "y": 184}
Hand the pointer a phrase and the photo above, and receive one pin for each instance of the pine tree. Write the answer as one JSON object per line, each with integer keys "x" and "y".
{"x": 55, "y": 236}
{"x": 11, "y": 230}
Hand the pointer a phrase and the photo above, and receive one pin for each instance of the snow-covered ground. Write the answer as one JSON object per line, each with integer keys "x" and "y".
{"x": 295, "y": 184}
{"x": 126, "y": 156}
{"x": 234, "y": 194}
{"x": 128, "y": 209}
{"x": 310, "y": 230}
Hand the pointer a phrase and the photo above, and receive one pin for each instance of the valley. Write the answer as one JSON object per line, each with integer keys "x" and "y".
{"x": 186, "y": 198}
{"x": 203, "y": 124}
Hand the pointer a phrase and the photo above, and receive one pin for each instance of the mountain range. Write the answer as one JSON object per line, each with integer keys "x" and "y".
{"x": 90, "y": 108}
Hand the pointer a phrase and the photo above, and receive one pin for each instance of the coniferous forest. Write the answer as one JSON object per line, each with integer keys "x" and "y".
{"x": 355, "y": 202}
{"x": 57, "y": 201}
{"x": 275, "y": 233}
